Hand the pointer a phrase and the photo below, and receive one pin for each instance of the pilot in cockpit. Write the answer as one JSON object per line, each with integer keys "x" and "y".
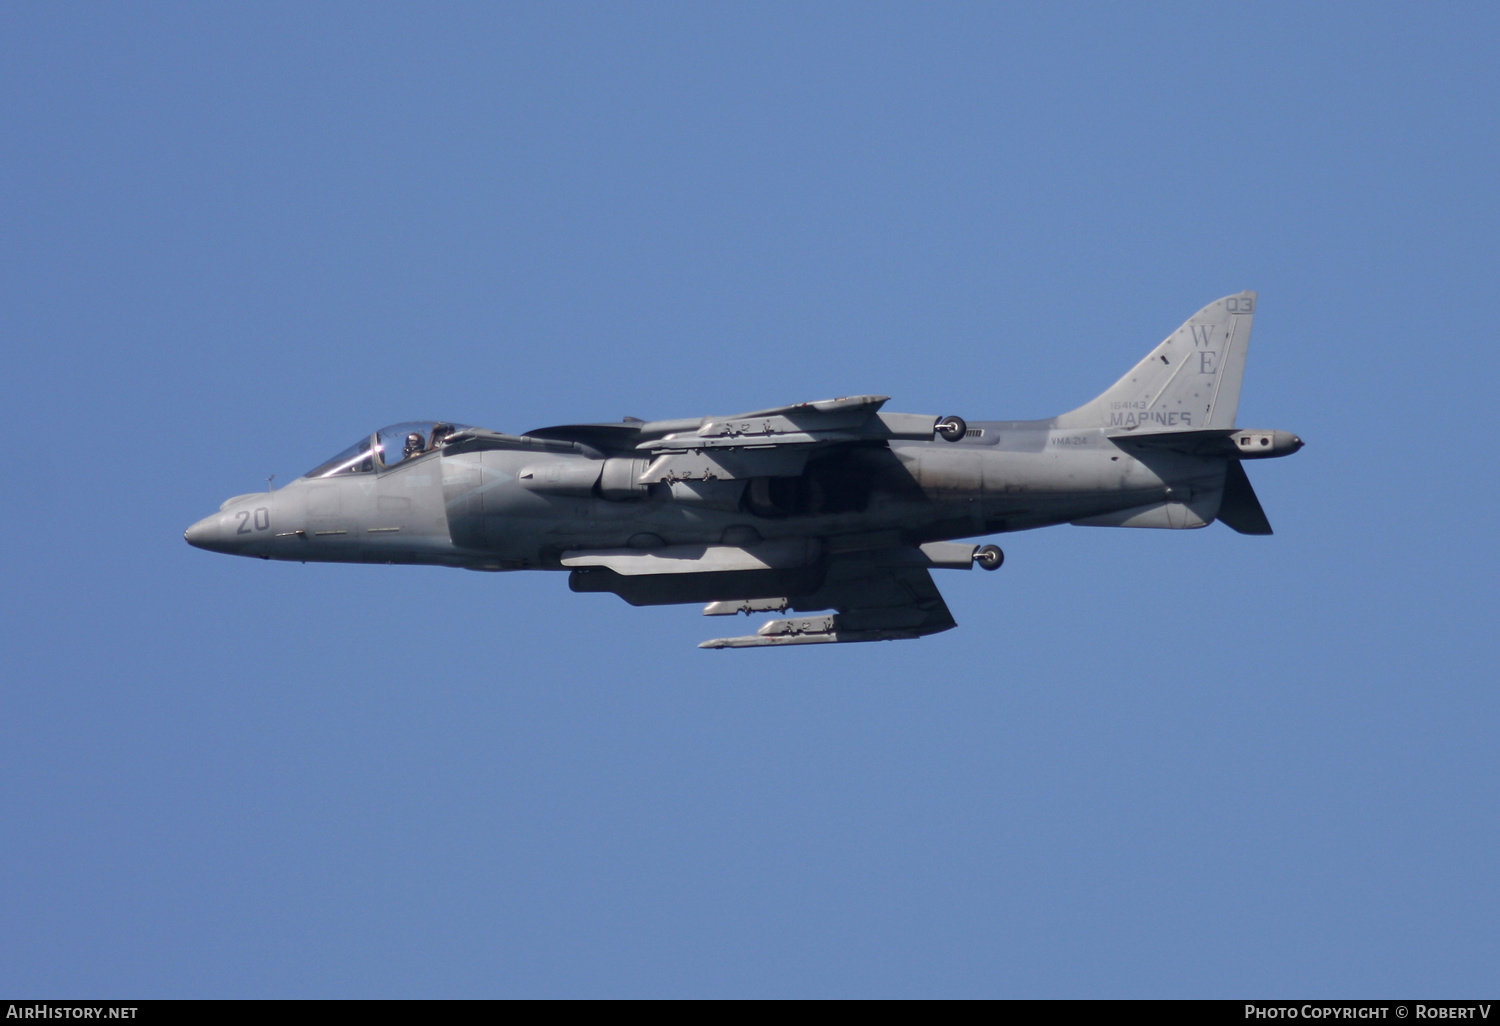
{"x": 413, "y": 447}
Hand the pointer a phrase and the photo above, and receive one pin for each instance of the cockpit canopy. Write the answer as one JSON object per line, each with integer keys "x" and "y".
{"x": 386, "y": 448}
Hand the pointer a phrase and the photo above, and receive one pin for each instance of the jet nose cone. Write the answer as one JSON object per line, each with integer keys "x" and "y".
{"x": 207, "y": 534}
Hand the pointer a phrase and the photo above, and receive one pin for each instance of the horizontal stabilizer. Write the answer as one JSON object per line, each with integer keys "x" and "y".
{"x": 1239, "y": 445}
{"x": 1240, "y": 509}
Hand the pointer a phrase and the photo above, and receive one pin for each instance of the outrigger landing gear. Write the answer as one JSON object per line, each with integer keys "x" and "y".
{"x": 989, "y": 557}
{"x": 952, "y": 428}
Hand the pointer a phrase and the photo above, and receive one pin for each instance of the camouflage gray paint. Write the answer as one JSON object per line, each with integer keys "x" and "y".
{"x": 833, "y": 505}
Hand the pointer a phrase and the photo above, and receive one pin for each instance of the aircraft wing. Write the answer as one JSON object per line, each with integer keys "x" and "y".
{"x": 851, "y": 419}
{"x": 872, "y": 602}
{"x": 848, "y": 419}
{"x": 877, "y": 595}
{"x": 763, "y": 443}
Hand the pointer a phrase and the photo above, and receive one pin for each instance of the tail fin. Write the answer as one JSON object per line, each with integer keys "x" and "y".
{"x": 1188, "y": 383}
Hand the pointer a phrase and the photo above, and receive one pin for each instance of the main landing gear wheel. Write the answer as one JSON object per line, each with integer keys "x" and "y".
{"x": 952, "y": 428}
{"x": 989, "y": 557}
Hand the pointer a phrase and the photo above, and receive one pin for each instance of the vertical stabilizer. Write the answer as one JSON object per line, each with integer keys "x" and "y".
{"x": 1189, "y": 382}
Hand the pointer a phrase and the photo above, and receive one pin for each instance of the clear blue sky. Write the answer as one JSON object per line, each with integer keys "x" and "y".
{"x": 236, "y": 237}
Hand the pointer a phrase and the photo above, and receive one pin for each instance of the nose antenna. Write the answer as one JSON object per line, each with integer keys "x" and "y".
{"x": 271, "y": 483}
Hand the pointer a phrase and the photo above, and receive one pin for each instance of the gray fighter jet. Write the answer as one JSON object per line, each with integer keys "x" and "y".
{"x": 834, "y": 505}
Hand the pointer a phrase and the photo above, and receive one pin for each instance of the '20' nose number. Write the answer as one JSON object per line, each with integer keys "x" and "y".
{"x": 260, "y": 519}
